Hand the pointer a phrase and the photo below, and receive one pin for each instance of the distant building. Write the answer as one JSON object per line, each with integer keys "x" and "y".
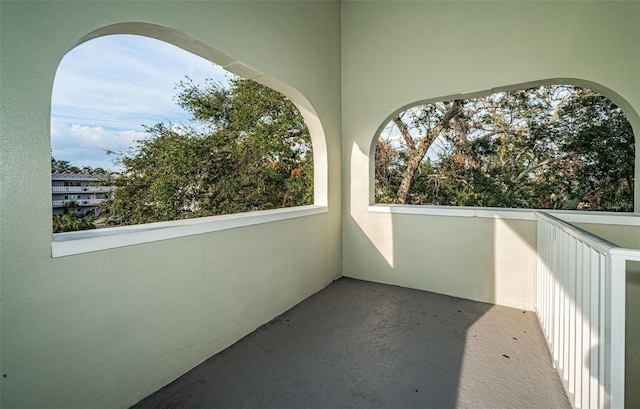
{"x": 86, "y": 191}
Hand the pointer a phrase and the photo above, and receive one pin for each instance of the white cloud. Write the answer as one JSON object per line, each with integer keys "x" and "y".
{"x": 107, "y": 88}
{"x": 86, "y": 146}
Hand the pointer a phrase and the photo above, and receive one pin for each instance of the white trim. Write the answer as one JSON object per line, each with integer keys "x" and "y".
{"x": 66, "y": 244}
{"x": 628, "y": 254}
{"x": 595, "y": 242}
{"x": 571, "y": 216}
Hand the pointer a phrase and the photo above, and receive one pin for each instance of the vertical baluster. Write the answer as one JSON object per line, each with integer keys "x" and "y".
{"x": 552, "y": 291}
{"x": 538, "y": 266}
{"x": 604, "y": 323}
{"x": 547, "y": 280}
{"x": 572, "y": 314}
{"x": 579, "y": 318}
{"x": 548, "y": 283}
{"x": 562, "y": 316}
{"x": 594, "y": 319}
{"x": 556, "y": 299}
{"x": 559, "y": 316}
{"x": 586, "y": 325}
{"x": 616, "y": 345}
{"x": 539, "y": 270}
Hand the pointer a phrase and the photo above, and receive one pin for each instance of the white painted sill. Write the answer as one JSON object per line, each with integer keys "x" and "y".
{"x": 67, "y": 244}
{"x": 570, "y": 216}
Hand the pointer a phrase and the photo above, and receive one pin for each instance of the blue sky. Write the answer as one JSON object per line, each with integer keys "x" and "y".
{"x": 107, "y": 88}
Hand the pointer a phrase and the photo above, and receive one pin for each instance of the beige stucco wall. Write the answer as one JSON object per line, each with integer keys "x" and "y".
{"x": 105, "y": 329}
{"x": 398, "y": 53}
{"x": 395, "y": 54}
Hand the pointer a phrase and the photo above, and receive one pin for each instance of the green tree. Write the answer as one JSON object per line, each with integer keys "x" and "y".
{"x": 602, "y": 142}
{"x": 248, "y": 150}
{"x": 548, "y": 147}
{"x": 63, "y": 166}
{"x": 71, "y": 222}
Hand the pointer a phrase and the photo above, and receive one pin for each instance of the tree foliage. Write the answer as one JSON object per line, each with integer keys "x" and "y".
{"x": 554, "y": 147}
{"x": 71, "y": 222}
{"x": 248, "y": 150}
{"x": 63, "y": 166}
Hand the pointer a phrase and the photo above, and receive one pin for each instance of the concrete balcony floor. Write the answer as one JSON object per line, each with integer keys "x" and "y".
{"x": 357, "y": 344}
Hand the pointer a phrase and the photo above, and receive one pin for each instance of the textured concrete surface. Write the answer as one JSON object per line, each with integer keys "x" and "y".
{"x": 358, "y": 344}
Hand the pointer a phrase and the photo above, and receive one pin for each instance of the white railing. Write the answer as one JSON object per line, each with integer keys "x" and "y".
{"x": 79, "y": 202}
{"x": 82, "y": 189}
{"x": 581, "y": 307}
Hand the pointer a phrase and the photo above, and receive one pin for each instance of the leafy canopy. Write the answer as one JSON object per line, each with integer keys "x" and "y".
{"x": 248, "y": 149}
{"x": 63, "y": 166}
{"x": 553, "y": 147}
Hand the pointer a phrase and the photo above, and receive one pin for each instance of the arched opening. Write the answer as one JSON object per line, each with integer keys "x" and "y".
{"x": 535, "y": 146}
{"x": 282, "y": 142}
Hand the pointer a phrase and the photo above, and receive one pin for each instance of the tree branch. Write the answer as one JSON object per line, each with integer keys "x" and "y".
{"x": 405, "y": 133}
{"x": 538, "y": 166}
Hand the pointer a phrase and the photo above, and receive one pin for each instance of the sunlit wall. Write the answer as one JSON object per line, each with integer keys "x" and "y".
{"x": 106, "y": 328}
{"x": 397, "y": 53}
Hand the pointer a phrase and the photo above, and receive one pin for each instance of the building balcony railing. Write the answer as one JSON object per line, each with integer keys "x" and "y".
{"x": 82, "y": 189}
{"x": 79, "y": 202}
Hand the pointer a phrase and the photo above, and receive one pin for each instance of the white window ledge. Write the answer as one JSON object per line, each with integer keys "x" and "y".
{"x": 571, "y": 216}
{"x": 66, "y": 244}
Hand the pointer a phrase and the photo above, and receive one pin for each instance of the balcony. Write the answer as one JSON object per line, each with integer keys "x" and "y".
{"x": 79, "y": 202}
{"x": 105, "y": 328}
{"x": 360, "y": 344}
{"x": 82, "y": 189}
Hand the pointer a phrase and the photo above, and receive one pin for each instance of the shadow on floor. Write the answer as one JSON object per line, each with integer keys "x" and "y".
{"x": 358, "y": 344}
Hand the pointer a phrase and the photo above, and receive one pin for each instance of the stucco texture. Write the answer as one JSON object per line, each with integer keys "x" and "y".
{"x": 106, "y": 328}
{"x": 395, "y": 54}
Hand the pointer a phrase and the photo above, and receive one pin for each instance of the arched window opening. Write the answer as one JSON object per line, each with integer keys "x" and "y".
{"x": 143, "y": 131}
{"x": 548, "y": 147}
